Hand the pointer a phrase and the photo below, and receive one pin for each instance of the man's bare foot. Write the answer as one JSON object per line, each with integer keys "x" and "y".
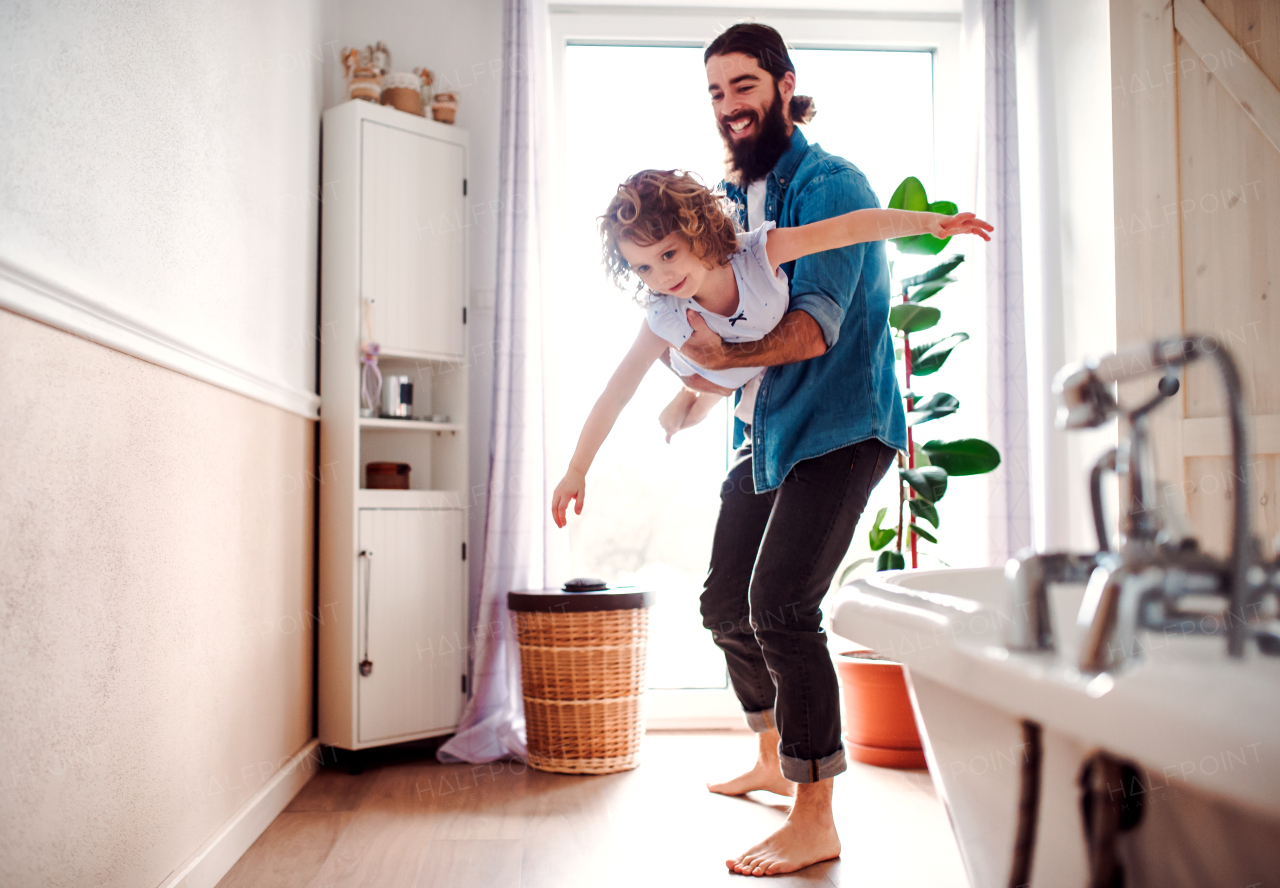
{"x": 766, "y": 774}
{"x": 808, "y": 837}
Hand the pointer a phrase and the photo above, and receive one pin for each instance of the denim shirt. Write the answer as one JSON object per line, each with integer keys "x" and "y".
{"x": 850, "y": 393}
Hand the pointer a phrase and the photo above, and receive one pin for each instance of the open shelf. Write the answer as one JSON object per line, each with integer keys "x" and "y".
{"x": 409, "y": 499}
{"x": 413, "y": 425}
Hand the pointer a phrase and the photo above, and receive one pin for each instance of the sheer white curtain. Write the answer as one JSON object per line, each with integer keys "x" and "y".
{"x": 520, "y": 551}
{"x": 991, "y": 63}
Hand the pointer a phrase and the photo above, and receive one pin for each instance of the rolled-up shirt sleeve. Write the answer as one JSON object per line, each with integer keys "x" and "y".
{"x": 823, "y": 284}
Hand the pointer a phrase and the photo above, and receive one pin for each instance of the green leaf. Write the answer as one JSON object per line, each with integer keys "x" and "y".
{"x": 940, "y": 404}
{"x": 929, "y": 481}
{"x": 922, "y": 458}
{"x": 924, "y": 510}
{"x": 938, "y": 271}
{"x": 921, "y": 532}
{"x": 964, "y": 456}
{"x": 891, "y": 560}
{"x": 848, "y": 571}
{"x": 909, "y": 195}
{"x": 926, "y": 290}
{"x": 880, "y": 536}
{"x": 913, "y": 318}
{"x": 929, "y": 357}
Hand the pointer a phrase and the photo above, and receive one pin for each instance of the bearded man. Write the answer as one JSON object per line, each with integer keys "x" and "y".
{"x": 823, "y": 425}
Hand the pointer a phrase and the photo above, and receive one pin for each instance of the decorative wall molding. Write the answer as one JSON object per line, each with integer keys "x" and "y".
{"x": 214, "y": 858}
{"x": 1235, "y": 70}
{"x": 26, "y": 293}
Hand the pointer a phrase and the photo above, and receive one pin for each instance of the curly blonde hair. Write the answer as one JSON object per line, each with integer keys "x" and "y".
{"x": 655, "y": 203}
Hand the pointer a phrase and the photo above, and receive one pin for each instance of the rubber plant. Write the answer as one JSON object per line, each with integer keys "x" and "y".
{"x": 925, "y": 469}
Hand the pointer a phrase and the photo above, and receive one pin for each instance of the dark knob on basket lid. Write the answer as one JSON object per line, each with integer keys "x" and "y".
{"x": 586, "y": 584}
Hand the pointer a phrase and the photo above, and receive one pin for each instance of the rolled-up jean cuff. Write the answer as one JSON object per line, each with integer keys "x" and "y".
{"x": 761, "y": 722}
{"x": 812, "y": 770}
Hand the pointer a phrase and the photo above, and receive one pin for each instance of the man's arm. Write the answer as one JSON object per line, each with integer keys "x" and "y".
{"x": 822, "y": 288}
{"x": 796, "y": 338}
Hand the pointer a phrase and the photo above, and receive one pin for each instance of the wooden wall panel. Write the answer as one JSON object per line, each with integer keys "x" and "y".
{"x": 1230, "y": 227}
{"x": 1144, "y": 125}
{"x": 1230, "y": 207}
{"x": 1255, "y": 25}
{"x": 1197, "y": 186}
{"x": 1210, "y": 489}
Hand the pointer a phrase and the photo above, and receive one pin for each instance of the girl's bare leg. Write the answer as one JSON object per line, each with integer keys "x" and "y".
{"x": 687, "y": 408}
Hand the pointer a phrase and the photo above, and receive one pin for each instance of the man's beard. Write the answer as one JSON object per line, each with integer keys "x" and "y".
{"x": 752, "y": 158}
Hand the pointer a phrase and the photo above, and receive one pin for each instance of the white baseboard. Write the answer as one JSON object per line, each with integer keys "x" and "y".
{"x": 734, "y": 723}
{"x": 31, "y": 295}
{"x": 214, "y": 858}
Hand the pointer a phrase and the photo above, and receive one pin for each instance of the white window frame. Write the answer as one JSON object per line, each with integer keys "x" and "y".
{"x": 938, "y": 33}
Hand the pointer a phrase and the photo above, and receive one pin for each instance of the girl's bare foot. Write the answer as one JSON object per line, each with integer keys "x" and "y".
{"x": 767, "y": 773}
{"x": 673, "y": 416}
{"x": 808, "y": 837}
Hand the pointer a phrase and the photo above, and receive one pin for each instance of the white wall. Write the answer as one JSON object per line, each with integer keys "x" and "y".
{"x": 461, "y": 42}
{"x": 1064, "y": 128}
{"x": 161, "y": 160}
{"x": 158, "y": 167}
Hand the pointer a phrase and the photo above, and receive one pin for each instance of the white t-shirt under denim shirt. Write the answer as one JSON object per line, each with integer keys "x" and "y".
{"x": 763, "y": 297}
{"x": 756, "y": 192}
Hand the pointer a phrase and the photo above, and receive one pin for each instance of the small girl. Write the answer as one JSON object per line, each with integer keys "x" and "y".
{"x": 667, "y": 232}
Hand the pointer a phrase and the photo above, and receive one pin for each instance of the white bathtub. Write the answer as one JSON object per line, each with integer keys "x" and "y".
{"x": 1203, "y": 731}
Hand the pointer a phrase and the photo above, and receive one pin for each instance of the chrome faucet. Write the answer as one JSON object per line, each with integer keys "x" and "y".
{"x": 1159, "y": 579}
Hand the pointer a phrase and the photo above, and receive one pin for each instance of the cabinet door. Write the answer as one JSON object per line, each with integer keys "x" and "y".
{"x": 413, "y": 595}
{"x": 412, "y": 247}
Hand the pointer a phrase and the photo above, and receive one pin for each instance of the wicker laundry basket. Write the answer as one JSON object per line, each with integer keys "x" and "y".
{"x": 582, "y": 667}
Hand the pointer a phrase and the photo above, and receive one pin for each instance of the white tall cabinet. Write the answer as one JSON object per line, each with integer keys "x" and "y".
{"x": 393, "y": 569}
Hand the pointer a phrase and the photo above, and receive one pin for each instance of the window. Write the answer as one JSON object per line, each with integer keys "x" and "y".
{"x": 651, "y": 507}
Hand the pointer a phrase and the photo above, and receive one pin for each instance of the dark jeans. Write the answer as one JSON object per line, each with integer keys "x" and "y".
{"x": 772, "y": 561}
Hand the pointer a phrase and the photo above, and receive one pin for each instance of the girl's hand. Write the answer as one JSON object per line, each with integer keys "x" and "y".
{"x": 573, "y": 486}
{"x": 961, "y": 223}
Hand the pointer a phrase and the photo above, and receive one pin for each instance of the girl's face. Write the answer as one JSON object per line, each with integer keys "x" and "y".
{"x": 668, "y": 266}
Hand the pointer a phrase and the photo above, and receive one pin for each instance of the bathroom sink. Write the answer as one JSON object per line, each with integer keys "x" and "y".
{"x": 1202, "y": 732}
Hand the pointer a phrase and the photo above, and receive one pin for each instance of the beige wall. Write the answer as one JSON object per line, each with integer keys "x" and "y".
{"x": 156, "y": 543}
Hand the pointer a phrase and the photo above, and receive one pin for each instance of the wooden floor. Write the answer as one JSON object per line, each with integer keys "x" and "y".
{"x": 420, "y": 824}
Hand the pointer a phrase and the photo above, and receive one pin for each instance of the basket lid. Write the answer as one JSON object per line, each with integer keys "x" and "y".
{"x": 559, "y": 601}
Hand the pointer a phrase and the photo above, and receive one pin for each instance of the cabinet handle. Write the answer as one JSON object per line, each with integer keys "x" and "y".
{"x": 366, "y": 665}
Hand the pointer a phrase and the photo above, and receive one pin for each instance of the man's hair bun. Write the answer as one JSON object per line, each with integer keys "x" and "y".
{"x": 802, "y": 109}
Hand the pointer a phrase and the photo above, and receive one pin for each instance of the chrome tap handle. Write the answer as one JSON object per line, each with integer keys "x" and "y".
{"x": 1105, "y": 463}
{"x": 1028, "y": 576}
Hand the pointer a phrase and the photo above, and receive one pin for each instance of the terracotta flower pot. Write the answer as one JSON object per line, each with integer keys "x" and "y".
{"x": 879, "y": 725}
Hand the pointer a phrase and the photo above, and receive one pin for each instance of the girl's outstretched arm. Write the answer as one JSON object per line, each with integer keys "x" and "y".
{"x": 622, "y": 386}
{"x": 863, "y": 226}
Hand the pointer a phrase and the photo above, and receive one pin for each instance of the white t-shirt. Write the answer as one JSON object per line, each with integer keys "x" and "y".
{"x": 755, "y": 204}
{"x": 763, "y": 297}
{"x": 746, "y": 408}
